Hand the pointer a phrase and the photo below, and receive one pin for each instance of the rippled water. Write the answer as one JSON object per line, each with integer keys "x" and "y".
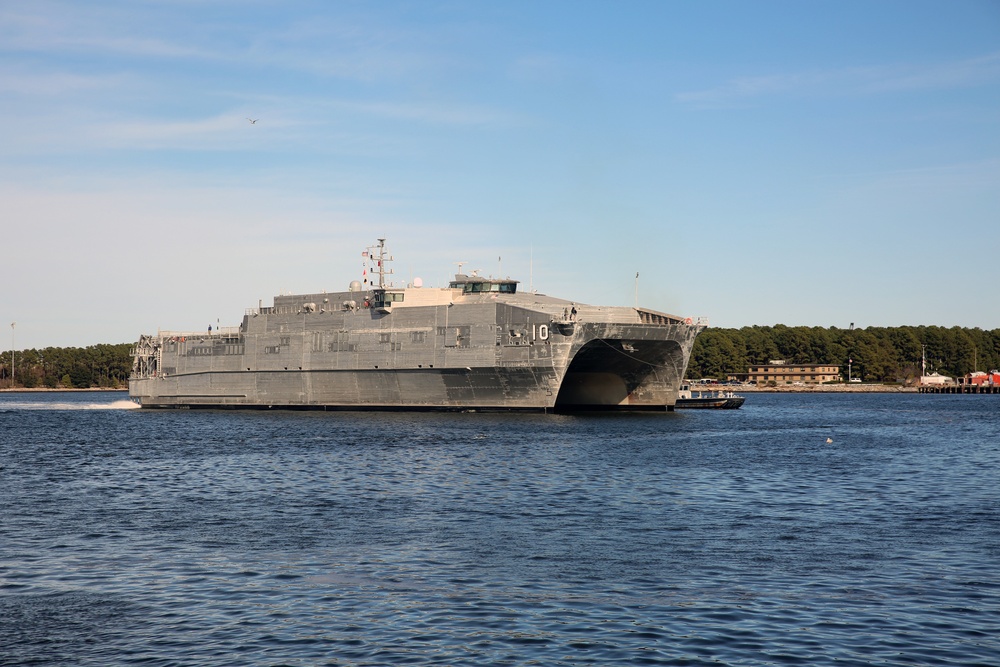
{"x": 695, "y": 538}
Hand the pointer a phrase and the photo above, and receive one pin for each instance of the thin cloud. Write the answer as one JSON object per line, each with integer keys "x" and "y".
{"x": 964, "y": 177}
{"x": 31, "y": 83}
{"x": 230, "y": 130}
{"x": 47, "y": 28}
{"x": 445, "y": 114}
{"x": 350, "y": 49}
{"x": 972, "y": 72}
{"x": 850, "y": 81}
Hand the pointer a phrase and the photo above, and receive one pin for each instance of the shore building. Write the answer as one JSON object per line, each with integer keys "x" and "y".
{"x": 781, "y": 372}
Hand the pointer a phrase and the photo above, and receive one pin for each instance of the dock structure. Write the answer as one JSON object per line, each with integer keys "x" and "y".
{"x": 960, "y": 389}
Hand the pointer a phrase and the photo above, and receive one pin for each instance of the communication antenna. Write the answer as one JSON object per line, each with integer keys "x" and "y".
{"x": 531, "y": 269}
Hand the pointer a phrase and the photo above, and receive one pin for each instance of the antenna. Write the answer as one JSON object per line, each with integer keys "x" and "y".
{"x": 531, "y": 268}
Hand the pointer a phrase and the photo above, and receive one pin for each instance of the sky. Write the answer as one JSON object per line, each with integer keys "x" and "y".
{"x": 812, "y": 163}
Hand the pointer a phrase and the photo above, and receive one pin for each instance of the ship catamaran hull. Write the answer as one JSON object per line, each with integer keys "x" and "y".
{"x": 475, "y": 345}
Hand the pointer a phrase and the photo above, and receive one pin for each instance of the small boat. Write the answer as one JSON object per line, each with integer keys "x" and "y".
{"x": 707, "y": 400}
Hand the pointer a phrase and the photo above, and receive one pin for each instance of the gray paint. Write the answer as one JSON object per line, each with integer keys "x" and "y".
{"x": 438, "y": 348}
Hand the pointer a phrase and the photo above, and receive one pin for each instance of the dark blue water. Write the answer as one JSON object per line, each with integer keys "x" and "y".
{"x": 696, "y": 538}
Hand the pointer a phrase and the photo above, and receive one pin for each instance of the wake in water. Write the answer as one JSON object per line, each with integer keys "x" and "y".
{"x": 121, "y": 404}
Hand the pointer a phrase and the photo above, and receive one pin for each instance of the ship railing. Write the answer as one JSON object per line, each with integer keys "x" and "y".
{"x": 657, "y": 319}
{"x": 221, "y": 332}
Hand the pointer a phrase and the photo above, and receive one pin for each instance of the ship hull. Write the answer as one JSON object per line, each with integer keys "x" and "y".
{"x": 402, "y": 389}
{"x": 600, "y": 370}
{"x": 599, "y": 376}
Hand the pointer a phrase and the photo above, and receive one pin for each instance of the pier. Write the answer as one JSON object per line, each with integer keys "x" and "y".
{"x": 961, "y": 389}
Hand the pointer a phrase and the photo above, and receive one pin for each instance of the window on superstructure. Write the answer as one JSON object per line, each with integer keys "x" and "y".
{"x": 488, "y": 286}
{"x": 388, "y": 298}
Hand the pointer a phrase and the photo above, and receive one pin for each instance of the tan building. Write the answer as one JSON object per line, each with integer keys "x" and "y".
{"x": 780, "y": 372}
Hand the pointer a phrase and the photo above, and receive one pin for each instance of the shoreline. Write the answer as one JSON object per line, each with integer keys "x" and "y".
{"x": 835, "y": 389}
{"x": 807, "y": 389}
{"x": 811, "y": 389}
{"x": 36, "y": 390}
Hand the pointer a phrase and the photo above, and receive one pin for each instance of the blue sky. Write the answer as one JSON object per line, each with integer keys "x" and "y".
{"x": 802, "y": 163}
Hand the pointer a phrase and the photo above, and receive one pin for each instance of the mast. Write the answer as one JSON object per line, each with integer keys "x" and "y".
{"x": 380, "y": 260}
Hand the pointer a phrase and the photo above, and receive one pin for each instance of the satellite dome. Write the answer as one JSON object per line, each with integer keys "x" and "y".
{"x": 355, "y": 286}
{"x": 418, "y": 282}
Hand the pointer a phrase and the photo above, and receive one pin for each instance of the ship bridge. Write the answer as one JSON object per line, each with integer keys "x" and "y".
{"x": 478, "y": 285}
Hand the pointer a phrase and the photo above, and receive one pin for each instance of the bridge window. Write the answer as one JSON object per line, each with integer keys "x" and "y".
{"x": 487, "y": 286}
{"x": 382, "y": 299}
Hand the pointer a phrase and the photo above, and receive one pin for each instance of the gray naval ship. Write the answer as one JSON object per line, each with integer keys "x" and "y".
{"x": 478, "y": 344}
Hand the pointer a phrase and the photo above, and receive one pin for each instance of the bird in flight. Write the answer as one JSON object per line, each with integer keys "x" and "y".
{"x": 253, "y": 121}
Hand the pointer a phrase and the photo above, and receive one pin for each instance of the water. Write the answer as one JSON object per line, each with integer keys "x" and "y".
{"x": 695, "y": 538}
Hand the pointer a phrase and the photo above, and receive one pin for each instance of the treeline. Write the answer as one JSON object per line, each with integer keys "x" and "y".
{"x": 104, "y": 366}
{"x": 877, "y": 354}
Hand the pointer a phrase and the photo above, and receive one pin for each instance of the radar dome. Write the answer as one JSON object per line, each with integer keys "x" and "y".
{"x": 418, "y": 282}
{"x": 355, "y": 286}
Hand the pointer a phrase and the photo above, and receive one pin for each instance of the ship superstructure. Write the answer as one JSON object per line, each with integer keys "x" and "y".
{"x": 478, "y": 343}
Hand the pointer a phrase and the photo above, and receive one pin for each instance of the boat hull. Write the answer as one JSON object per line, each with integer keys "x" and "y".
{"x": 592, "y": 377}
{"x": 730, "y": 403}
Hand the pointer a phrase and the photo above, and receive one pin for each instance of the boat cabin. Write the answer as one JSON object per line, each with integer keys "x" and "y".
{"x": 477, "y": 285}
